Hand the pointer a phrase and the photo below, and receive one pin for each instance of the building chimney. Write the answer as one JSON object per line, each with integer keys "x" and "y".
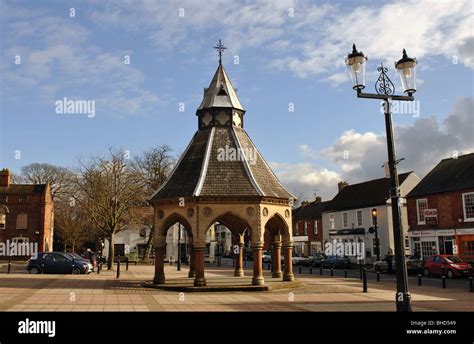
{"x": 5, "y": 177}
{"x": 304, "y": 204}
{"x": 317, "y": 199}
{"x": 341, "y": 185}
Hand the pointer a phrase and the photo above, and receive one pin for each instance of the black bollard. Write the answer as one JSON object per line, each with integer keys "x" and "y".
{"x": 269, "y": 266}
{"x": 360, "y": 269}
{"x": 345, "y": 273}
{"x": 364, "y": 280}
{"x": 98, "y": 268}
{"x": 378, "y": 276}
{"x": 42, "y": 268}
{"x": 299, "y": 269}
{"x": 419, "y": 279}
{"x": 443, "y": 278}
{"x": 118, "y": 267}
{"x": 321, "y": 270}
{"x": 126, "y": 265}
{"x": 9, "y": 264}
{"x": 310, "y": 270}
{"x": 470, "y": 284}
{"x": 332, "y": 270}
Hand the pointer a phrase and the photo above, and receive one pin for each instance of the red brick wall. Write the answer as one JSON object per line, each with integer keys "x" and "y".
{"x": 39, "y": 210}
{"x": 449, "y": 206}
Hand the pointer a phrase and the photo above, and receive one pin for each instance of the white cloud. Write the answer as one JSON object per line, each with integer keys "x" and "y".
{"x": 422, "y": 144}
{"x": 313, "y": 41}
{"x": 305, "y": 180}
{"x": 360, "y": 156}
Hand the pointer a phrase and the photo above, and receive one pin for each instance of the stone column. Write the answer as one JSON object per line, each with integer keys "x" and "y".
{"x": 276, "y": 258}
{"x": 288, "y": 253}
{"x": 257, "y": 265}
{"x": 239, "y": 260}
{"x": 199, "y": 280}
{"x": 159, "y": 266}
{"x": 192, "y": 263}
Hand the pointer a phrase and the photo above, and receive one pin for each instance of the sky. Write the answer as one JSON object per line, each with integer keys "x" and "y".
{"x": 145, "y": 64}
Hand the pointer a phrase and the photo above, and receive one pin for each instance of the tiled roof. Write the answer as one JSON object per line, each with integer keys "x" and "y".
{"x": 367, "y": 194}
{"x": 201, "y": 172}
{"x": 449, "y": 175}
{"x": 310, "y": 211}
{"x": 23, "y": 189}
{"x": 220, "y": 92}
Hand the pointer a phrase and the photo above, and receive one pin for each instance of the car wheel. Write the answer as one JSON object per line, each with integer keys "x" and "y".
{"x": 450, "y": 274}
{"x": 76, "y": 271}
{"x": 426, "y": 272}
{"x": 35, "y": 270}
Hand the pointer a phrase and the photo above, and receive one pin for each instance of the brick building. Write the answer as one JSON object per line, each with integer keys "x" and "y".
{"x": 26, "y": 213}
{"x": 441, "y": 210}
{"x": 307, "y": 227}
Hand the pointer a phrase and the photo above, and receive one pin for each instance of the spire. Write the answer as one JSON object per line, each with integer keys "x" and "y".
{"x": 220, "y": 92}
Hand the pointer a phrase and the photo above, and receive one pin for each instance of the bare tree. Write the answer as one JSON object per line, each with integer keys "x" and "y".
{"x": 154, "y": 167}
{"x": 71, "y": 222}
{"x": 107, "y": 187}
{"x": 42, "y": 173}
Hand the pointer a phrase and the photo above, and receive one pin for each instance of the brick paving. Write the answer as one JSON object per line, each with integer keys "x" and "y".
{"x": 104, "y": 292}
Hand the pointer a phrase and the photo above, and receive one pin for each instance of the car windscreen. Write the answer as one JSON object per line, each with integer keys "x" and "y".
{"x": 454, "y": 259}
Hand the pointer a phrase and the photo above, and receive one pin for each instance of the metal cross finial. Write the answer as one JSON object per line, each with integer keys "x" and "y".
{"x": 220, "y": 49}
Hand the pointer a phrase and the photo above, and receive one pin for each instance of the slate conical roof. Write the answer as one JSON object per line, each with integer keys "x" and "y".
{"x": 220, "y": 92}
{"x": 221, "y": 160}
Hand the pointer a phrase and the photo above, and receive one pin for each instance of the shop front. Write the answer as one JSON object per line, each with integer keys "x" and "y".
{"x": 465, "y": 244}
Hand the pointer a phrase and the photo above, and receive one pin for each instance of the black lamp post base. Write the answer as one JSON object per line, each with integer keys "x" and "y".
{"x": 403, "y": 302}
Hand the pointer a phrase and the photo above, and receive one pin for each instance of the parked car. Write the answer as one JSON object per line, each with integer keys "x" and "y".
{"x": 299, "y": 260}
{"x": 412, "y": 263}
{"x": 315, "y": 260}
{"x": 337, "y": 262}
{"x": 57, "y": 263}
{"x": 79, "y": 257}
{"x": 266, "y": 257}
{"x": 452, "y": 265}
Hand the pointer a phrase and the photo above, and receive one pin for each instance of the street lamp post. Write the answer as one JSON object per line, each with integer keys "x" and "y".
{"x": 376, "y": 231}
{"x": 385, "y": 89}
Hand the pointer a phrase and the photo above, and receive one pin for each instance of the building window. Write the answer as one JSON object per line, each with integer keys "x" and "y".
{"x": 315, "y": 227}
{"x": 345, "y": 222}
{"x": 22, "y": 199}
{"x": 468, "y": 206}
{"x": 305, "y": 228}
{"x": 3, "y": 199}
{"x": 21, "y": 221}
{"x": 332, "y": 223}
{"x": 421, "y": 205}
{"x": 428, "y": 248}
{"x": 295, "y": 229}
{"x": 359, "y": 218}
{"x": 3, "y": 218}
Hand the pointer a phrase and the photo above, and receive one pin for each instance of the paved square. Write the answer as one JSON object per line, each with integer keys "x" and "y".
{"x": 104, "y": 292}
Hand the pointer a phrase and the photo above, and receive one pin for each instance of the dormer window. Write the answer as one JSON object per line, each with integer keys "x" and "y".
{"x": 222, "y": 91}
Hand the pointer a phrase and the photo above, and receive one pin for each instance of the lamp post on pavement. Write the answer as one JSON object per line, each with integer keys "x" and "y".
{"x": 385, "y": 89}
{"x": 374, "y": 230}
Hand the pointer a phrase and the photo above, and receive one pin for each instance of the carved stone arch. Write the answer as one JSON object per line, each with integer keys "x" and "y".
{"x": 171, "y": 220}
{"x": 277, "y": 224}
{"x": 235, "y": 223}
